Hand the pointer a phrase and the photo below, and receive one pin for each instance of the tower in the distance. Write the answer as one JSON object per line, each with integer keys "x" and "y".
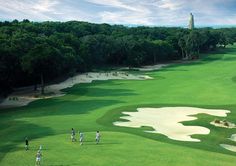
{"x": 191, "y": 22}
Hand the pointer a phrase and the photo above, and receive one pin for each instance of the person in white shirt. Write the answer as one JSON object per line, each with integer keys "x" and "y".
{"x": 73, "y": 135}
{"x": 98, "y": 136}
{"x": 38, "y": 157}
{"x": 81, "y": 138}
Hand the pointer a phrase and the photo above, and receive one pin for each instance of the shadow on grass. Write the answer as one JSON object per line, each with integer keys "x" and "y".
{"x": 232, "y": 58}
{"x": 58, "y": 107}
{"x": 71, "y": 103}
{"x": 86, "y": 90}
{"x": 206, "y": 58}
{"x": 10, "y": 141}
{"x": 234, "y": 79}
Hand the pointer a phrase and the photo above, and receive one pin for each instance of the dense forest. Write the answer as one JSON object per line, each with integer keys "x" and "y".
{"x": 33, "y": 52}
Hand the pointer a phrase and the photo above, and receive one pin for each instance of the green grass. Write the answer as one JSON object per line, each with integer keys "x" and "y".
{"x": 207, "y": 83}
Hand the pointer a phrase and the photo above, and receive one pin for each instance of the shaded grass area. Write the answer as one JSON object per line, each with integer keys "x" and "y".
{"x": 206, "y": 83}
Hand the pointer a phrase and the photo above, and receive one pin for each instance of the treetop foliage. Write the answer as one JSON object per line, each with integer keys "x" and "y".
{"x": 30, "y": 50}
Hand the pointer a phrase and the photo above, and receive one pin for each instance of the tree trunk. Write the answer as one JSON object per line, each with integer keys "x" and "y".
{"x": 42, "y": 84}
{"x": 182, "y": 53}
{"x": 186, "y": 54}
{"x": 35, "y": 86}
{"x": 154, "y": 59}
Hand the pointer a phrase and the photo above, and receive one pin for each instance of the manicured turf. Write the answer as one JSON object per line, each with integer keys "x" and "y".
{"x": 207, "y": 83}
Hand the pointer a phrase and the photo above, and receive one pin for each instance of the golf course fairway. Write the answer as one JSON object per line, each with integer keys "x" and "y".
{"x": 208, "y": 83}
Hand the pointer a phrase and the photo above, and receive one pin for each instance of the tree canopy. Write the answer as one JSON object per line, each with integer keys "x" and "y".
{"x": 32, "y": 52}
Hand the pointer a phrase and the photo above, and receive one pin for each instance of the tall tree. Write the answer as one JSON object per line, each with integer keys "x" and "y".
{"x": 43, "y": 60}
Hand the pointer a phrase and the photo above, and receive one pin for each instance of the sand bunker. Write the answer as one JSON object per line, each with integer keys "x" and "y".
{"x": 230, "y": 147}
{"x": 146, "y": 68}
{"x": 92, "y": 76}
{"x": 229, "y": 125}
{"x": 233, "y": 138}
{"x": 223, "y": 123}
{"x": 167, "y": 121}
{"x": 26, "y": 95}
{"x": 152, "y": 68}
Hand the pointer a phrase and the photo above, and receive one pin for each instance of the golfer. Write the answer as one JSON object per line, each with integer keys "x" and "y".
{"x": 40, "y": 148}
{"x": 38, "y": 157}
{"x": 72, "y": 135}
{"x": 97, "y": 137}
{"x": 81, "y": 138}
{"x": 26, "y": 144}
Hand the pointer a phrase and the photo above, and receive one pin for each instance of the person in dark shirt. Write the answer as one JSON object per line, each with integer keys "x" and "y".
{"x": 26, "y": 144}
{"x": 73, "y": 135}
{"x": 98, "y": 136}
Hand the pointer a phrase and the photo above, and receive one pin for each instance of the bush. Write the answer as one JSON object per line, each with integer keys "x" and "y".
{"x": 226, "y": 124}
{"x": 217, "y": 121}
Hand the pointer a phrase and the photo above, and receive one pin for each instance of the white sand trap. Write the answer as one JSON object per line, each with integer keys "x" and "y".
{"x": 147, "y": 68}
{"x": 233, "y": 138}
{"x": 26, "y": 95}
{"x": 230, "y": 147}
{"x": 222, "y": 124}
{"x": 92, "y": 76}
{"x": 152, "y": 68}
{"x": 167, "y": 121}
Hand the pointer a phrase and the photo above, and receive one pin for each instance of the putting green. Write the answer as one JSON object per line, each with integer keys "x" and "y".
{"x": 207, "y": 83}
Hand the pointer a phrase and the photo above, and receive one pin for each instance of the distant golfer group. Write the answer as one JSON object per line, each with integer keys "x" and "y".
{"x": 81, "y": 136}
{"x": 73, "y": 139}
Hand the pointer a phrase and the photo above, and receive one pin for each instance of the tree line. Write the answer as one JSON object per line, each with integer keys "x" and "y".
{"x": 33, "y": 52}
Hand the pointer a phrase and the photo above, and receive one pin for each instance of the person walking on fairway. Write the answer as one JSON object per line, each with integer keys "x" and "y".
{"x": 72, "y": 135}
{"x": 97, "y": 137}
{"x": 26, "y": 143}
{"x": 81, "y": 138}
{"x": 38, "y": 157}
{"x": 40, "y": 148}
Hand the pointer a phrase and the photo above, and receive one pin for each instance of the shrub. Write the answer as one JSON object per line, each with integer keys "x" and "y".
{"x": 217, "y": 121}
{"x": 226, "y": 124}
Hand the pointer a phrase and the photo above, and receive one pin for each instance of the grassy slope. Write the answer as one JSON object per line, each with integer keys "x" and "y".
{"x": 209, "y": 83}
